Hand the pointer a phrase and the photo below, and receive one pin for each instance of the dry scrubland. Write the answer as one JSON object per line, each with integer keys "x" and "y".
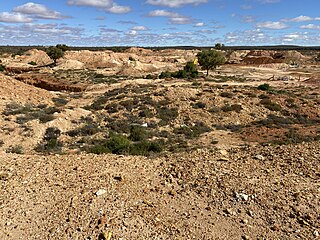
{"x": 98, "y": 147}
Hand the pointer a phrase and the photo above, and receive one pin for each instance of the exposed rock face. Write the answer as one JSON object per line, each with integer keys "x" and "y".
{"x": 47, "y": 82}
{"x": 258, "y": 57}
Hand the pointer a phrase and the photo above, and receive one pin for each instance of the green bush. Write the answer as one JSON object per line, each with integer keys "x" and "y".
{"x": 138, "y": 133}
{"x": 32, "y": 63}
{"x": 51, "y": 143}
{"x": 118, "y": 144}
{"x": 2, "y": 68}
{"x": 165, "y": 74}
{"x": 264, "y": 87}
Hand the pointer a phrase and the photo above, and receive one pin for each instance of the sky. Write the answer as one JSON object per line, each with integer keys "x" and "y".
{"x": 160, "y": 22}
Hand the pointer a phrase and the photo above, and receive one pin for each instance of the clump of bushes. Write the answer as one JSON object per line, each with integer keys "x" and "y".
{"x": 189, "y": 71}
{"x": 121, "y": 144}
{"x": 30, "y": 112}
{"x": 50, "y": 144}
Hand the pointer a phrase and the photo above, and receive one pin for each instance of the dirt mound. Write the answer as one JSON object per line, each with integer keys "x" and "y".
{"x": 98, "y": 59}
{"x": 140, "y": 51}
{"x": 258, "y": 60}
{"x": 39, "y": 57}
{"x": 70, "y": 64}
{"x": 12, "y": 90}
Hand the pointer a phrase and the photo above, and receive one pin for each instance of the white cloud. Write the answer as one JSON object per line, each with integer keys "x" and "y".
{"x": 175, "y": 3}
{"x": 272, "y": 25}
{"x": 38, "y": 11}
{"x": 14, "y": 18}
{"x": 132, "y": 32}
{"x": 92, "y": 3}
{"x": 199, "y": 24}
{"x": 140, "y": 28}
{"x": 106, "y": 5}
{"x": 118, "y": 9}
{"x": 301, "y": 18}
{"x": 310, "y": 26}
{"x": 174, "y": 17}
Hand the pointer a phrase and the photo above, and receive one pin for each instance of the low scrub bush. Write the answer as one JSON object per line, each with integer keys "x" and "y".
{"x": 50, "y": 143}
{"x": 18, "y": 149}
{"x": 232, "y": 108}
{"x": 267, "y": 103}
{"x": 264, "y": 87}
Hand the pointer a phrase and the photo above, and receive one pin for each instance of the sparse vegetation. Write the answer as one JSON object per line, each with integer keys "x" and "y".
{"x": 2, "y": 68}
{"x": 17, "y": 149}
{"x": 50, "y": 143}
{"x": 32, "y": 63}
{"x": 264, "y": 87}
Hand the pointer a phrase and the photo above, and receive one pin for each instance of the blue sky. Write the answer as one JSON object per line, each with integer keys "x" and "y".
{"x": 159, "y": 22}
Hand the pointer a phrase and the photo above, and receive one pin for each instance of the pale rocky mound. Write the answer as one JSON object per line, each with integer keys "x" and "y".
{"x": 70, "y": 64}
{"x": 90, "y": 59}
{"x": 140, "y": 51}
{"x": 13, "y": 90}
{"x": 38, "y": 56}
{"x": 136, "y": 67}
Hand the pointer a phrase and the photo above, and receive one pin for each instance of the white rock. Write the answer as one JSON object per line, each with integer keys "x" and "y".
{"x": 242, "y": 196}
{"x": 260, "y": 157}
{"x": 316, "y": 233}
{"x": 101, "y": 192}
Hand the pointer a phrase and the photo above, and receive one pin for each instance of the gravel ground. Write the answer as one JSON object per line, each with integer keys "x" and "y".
{"x": 262, "y": 192}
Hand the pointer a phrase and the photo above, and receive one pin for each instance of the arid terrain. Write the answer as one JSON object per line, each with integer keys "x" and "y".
{"x": 99, "y": 147}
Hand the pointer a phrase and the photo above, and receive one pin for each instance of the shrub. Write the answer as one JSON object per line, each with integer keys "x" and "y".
{"x": 145, "y": 147}
{"x": 59, "y": 102}
{"x": 18, "y": 149}
{"x": 131, "y": 58}
{"x": 1, "y": 143}
{"x": 264, "y": 87}
{"x": 267, "y": 103}
{"x": 149, "y": 76}
{"x": 227, "y": 94}
{"x": 165, "y": 74}
{"x": 51, "y": 143}
{"x": 32, "y": 63}
{"x": 167, "y": 114}
{"x": 233, "y": 107}
{"x": 2, "y": 68}
{"x": 138, "y": 133}
{"x": 199, "y": 105}
{"x": 118, "y": 144}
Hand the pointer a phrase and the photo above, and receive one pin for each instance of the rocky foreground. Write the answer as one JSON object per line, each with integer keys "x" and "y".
{"x": 263, "y": 192}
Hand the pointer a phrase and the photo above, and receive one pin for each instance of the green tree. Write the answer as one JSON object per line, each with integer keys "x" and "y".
{"x": 55, "y": 53}
{"x": 219, "y": 46}
{"x": 63, "y": 47}
{"x": 210, "y": 59}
